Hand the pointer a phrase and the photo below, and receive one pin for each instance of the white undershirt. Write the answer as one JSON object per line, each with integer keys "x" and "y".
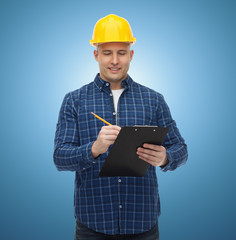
{"x": 116, "y": 94}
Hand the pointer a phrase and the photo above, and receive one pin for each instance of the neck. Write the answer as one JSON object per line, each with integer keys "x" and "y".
{"x": 116, "y": 86}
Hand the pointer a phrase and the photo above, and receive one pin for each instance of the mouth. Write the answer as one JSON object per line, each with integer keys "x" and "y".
{"x": 114, "y": 69}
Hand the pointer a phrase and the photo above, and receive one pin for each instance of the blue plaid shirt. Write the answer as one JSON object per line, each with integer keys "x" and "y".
{"x": 113, "y": 205}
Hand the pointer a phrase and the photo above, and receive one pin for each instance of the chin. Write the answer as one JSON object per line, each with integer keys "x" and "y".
{"x": 118, "y": 79}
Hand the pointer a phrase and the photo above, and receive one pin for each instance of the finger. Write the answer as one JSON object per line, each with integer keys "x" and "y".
{"x": 153, "y": 163}
{"x": 151, "y": 152}
{"x": 108, "y": 142}
{"x": 159, "y": 155}
{"x": 109, "y": 137}
{"x": 147, "y": 151}
{"x": 148, "y": 157}
{"x": 112, "y": 127}
{"x": 109, "y": 132}
{"x": 154, "y": 147}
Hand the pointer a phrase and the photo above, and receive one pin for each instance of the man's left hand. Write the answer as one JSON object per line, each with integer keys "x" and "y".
{"x": 153, "y": 154}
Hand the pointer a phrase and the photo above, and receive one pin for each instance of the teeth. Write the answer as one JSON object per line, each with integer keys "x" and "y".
{"x": 114, "y": 69}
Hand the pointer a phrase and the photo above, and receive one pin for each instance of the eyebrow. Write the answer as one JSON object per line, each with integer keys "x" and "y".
{"x": 121, "y": 50}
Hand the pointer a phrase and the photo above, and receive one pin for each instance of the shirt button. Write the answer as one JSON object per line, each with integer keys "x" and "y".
{"x": 119, "y": 180}
{"x": 120, "y": 206}
{"x": 114, "y": 113}
{"x": 107, "y": 84}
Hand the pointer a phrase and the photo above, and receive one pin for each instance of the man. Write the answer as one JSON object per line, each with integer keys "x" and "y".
{"x": 114, "y": 207}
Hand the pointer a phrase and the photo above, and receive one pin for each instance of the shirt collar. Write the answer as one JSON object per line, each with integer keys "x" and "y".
{"x": 102, "y": 85}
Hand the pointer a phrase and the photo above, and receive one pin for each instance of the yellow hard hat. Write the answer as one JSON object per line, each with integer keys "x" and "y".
{"x": 112, "y": 28}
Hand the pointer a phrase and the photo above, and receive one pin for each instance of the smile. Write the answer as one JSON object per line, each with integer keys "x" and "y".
{"x": 114, "y": 69}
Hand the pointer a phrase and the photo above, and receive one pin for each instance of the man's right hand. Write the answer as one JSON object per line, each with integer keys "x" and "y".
{"x": 106, "y": 137}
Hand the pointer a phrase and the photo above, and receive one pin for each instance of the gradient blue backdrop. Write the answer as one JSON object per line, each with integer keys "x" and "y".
{"x": 185, "y": 49}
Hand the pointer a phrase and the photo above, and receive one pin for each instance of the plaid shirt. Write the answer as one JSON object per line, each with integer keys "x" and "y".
{"x": 113, "y": 205}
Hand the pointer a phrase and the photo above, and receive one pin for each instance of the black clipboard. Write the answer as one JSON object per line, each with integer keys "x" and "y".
{"x": 123, "y": 160}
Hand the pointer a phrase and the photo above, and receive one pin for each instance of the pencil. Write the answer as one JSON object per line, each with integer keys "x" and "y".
{"x": 101, "y": 119}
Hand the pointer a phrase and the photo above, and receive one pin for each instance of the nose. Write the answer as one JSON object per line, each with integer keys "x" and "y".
{"x": 114, "y": 60}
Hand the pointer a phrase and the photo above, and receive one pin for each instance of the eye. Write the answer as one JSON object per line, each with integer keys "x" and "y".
{"x": 106, "y": 53}
{"x": 122, "y": 53}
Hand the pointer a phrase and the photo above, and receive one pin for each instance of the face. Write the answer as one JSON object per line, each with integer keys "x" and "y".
{"x": 114, "y": 59}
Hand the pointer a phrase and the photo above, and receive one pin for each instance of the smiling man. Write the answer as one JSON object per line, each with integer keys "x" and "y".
{"x": 114, "y": 207}
{"x": 114, "y": 60}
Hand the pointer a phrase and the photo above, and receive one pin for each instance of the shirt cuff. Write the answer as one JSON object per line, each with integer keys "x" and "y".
{"x": 87, "y": 158}
{"x": 170, "y": 164}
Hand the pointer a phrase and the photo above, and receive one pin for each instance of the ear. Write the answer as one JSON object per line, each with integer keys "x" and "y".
{"x": 95, "y": 53}
{"x": 131, "y": 54}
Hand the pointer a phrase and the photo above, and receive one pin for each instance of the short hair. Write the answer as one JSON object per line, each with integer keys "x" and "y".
{"x": 99, "y": 44}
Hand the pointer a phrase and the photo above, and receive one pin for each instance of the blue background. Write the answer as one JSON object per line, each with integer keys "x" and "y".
{"x": 185, "y": 50}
